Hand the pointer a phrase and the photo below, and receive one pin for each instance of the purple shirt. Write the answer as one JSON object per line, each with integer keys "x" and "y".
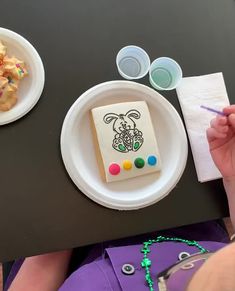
{"x": 106, "y": 273}
{"x": 102, "y": 270}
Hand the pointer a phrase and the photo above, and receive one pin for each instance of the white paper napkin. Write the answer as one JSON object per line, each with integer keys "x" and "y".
{"x": 207, "y": 90}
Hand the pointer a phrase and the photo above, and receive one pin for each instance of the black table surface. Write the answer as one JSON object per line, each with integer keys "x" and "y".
{"x": 41, "y": 210}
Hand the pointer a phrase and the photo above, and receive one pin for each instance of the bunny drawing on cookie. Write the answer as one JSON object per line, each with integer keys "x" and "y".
{"x": 127, "y": 137}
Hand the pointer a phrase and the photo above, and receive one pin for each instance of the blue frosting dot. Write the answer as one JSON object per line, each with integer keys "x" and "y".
{"x": 152, "y": 160}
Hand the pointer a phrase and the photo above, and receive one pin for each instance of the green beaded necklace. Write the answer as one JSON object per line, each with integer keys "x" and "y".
{"x": 146, "y": 262}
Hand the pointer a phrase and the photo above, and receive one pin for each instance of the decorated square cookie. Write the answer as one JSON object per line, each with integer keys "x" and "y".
{"x": 125, "y": 141}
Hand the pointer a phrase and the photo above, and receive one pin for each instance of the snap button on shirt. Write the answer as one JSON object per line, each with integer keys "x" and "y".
{"x": 128, "y": 269}
{"x": 183, "y": 255}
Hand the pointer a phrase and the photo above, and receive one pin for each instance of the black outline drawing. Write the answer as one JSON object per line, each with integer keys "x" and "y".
{"x": 127, "y": 137}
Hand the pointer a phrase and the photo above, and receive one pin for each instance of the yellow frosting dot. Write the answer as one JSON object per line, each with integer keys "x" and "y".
{"x": 127, "y": 165}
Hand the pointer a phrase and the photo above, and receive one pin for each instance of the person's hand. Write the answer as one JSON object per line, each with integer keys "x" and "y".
{"x": 221, "y": 139}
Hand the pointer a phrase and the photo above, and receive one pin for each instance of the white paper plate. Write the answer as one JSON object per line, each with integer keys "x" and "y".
{"x": 30, "y": 88}
{"x": 78, "y": 152}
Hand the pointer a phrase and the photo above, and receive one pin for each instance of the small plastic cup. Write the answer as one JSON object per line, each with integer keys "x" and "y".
{"x": 165, "y": 74}
{"x": 132, "y": 62}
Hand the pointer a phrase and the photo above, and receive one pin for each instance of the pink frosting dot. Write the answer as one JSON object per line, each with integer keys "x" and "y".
{"x": 114, "y": 169}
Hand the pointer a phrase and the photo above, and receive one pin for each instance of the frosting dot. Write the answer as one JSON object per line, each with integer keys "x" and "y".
{"x": 139, "y": 163}
{"x": 127, "y": 164}
{"x": 152, "y": 160}
{"x": 114, "y": 169}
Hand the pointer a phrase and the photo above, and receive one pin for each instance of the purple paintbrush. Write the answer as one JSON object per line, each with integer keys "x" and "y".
{"x": 213, "y": 110}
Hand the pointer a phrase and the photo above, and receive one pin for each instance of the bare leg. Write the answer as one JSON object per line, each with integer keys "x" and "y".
{"x": 44, "y": 272}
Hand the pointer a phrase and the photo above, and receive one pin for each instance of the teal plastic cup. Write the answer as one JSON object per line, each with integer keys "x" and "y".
{"x": 165, "y": 74}
{"x": 132, "y": 62}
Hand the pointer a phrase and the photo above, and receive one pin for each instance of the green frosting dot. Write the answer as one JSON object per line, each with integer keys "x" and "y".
{"x": 136, "y": 145}
{"x": 121, "y": 147}
{"x": 139, "y": 163}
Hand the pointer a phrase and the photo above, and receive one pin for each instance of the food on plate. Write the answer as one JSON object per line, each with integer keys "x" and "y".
{"x": 12, "y": 71}
{"x": 125, "y": 141}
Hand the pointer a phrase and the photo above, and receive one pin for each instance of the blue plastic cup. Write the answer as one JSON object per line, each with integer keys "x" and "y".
{"x": 165, "y": 74}
{"x": 132, "y": 62}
